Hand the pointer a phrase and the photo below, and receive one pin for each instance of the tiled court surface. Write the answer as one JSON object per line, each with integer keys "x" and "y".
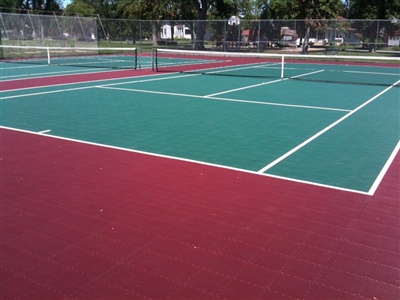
{"x": 86, "y": 222}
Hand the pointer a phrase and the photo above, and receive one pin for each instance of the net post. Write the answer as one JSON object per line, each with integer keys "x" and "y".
{"x": 154, "y": 61}
{"x": 135, "y": 58}
{"x": 48, "y": 55}
{"x": 283, "y": 67}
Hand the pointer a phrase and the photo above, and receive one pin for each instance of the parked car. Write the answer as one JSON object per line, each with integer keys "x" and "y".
{"x": 311, "y": 41}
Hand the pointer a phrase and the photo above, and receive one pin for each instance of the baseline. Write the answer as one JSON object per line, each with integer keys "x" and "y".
{"x": 381, "y": 175}
{"x": 189, "y": 161}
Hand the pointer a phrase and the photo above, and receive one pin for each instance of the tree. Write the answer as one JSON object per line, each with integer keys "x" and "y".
{"x": 13, "y": 5}
{"x": 156, "y": 11}
{"x": 372, "y": 10}
{"x": 311, "y": 11}
{"x": 202, "y": 7}
{"x": 34, "y": 5}
{"x": 103, "y": 8}
{"x": 245, "y": 9}
{"x": 80, "y": 7}
{"x": 262, "y": 9}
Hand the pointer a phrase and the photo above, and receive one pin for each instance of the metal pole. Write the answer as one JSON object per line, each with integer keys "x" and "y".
{"x": 258, "y": 36}
{"x": 58, "y": 24}
{"x": 224, "y": 39}
{"x": 141, "y": 46}
{"x": 104, "y": 32}
{"x": 4, "y": 26}
{"x": 377, "y": 36}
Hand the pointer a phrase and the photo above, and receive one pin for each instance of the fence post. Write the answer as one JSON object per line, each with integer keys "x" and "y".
{"x": 377, "y": 36}
{"x": 258, "y": 35}
{"x": 224, "y": 39}
{"x": 141, "y": 45}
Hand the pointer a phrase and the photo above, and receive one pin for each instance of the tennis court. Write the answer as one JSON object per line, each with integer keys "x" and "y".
{"x": 222, "y": 179}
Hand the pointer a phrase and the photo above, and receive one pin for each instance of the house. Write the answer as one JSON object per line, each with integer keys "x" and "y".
{"x": 348, "y": 36}
{"x": 179, "y": 32}
{"x": 394, "y": 39}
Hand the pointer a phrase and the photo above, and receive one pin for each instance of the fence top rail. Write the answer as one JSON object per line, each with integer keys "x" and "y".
{"x": 279, "y": 55}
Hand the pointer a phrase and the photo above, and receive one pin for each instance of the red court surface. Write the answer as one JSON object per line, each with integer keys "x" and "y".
{"x": 80, "y": 221}
{"x": 57, "y": 80}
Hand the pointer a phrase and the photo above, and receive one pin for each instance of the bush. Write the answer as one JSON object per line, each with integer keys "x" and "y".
{"x": 396, "y": 48}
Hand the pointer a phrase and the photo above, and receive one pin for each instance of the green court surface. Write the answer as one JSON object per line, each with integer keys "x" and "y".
{"x": 13, "y": 71}
{"x": 338, "y": 135}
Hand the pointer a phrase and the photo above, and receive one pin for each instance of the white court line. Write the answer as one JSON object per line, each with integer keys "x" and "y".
{"x": 109, "y": 86}
{"x": 171, "y": 75}
{"x": 278, "y": 160}
{"x": 373, "y": 73}
{"x": 59, "y": 73}
{"x": 44, "y": 131}
{"x": 306, "y": 74}
{"x": 379, "y": 179}
{"x": 45, "y": 93}
{"x": 263, "y": 83}
{"x": 25, "y": 67}
{"x": 192, "y": 161}
{"x": 222, "y": 99}
{"x": 148, "y": 80}
{"x": 245, "y": 87}
{"x": 87, "y": 87}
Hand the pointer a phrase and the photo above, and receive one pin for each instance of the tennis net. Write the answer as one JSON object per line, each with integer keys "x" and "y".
{"x": 377, "y": 70}
{"x": 123, "y": 58}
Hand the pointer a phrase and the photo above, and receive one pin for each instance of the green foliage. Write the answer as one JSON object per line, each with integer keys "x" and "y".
{"x": 305, "y": 9}
{"x": 12, "y": 5}
{"x": 103, "y": 8}
{"x": 32, "y": 5}
{"x": 156, "y": 9}
{"x": 80, "y": 7}
{"x": 372, "y": 9}
{"x": 216, "y": 9}
{"x": 245, "y": 9}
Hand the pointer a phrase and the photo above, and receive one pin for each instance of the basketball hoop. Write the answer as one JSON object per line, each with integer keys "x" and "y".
{"x": 234, "y": 20}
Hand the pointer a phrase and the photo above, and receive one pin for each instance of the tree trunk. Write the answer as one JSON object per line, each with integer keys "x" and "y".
{"x": 202, "y": 8}
{"x": 201, "y": 31}
{"x": 372, "y": 47}
{"x": 304, "y": 49}
{"x": 154, "y": 32}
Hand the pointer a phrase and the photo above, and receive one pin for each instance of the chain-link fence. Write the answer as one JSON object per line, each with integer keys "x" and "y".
{"x": 48, "y": 30}
{"x": 216, "y": 35}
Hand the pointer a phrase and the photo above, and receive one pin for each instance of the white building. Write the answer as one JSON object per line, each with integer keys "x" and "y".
{"x": 394, "y": 41}
{"x": 180, "y": 32}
